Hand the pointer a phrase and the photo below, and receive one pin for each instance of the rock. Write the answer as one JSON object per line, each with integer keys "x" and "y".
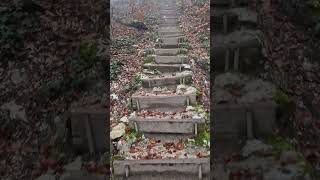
{"x": 185, "y": 73}
{"x": 186, "y": 66}
{"x": 289, "y": 157}
{"x": 75, "y": 165}
{"x": 191, "y": 90}
{"x": 197, "y": 116}
{"x": 190, "y": 108}
{"x": 257, "y": 90}
{"x": 253, "y": 163}
{"x": 132, "y": 115}
{"x": 221, "y": 95}
{"x": 46, "y": 177}
{"x": 157, "y": 90}
{"x": 181, "y": 89}
{"x": 226, "y": 79}
{"x": 118, "y": 131}
{"x": 124, "y": 146}
{"x": 124, "y": 119}
{"x": 253, "y": 146}
{"x": 16, "y": 111}
{"x": 114, "y": 97}
{"x": 287, "y": 173}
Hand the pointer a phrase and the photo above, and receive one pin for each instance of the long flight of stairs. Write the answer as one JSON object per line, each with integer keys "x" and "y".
{"x": 161, "y": 110}
{"x": 237, "y": 52}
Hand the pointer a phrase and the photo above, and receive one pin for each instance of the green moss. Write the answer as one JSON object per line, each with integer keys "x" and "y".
{"x": 117, "y": 157}
{"x": 185, "y": 45}
{"x": 183, "y": 40}
{"x": 203, "y": 136}
{"x": 281, "y": 98}
{"x": 148, "y": 52}
{"x": 149, "y": 59}
{"x": 183, "y": 51}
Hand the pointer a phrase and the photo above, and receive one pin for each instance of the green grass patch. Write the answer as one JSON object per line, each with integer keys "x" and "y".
{"x": 148, "y": 52}
{"x": 115, "y": 69}
{"x": 183, "y": 51}
{"x": 149, "y": 59}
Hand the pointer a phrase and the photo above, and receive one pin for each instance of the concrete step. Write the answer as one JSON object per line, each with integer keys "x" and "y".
{"x": 166, "y": 67}
{"x": 226, "y": 20}
{"x": 156, "y": 102}
{"x": 180, "y": 59}
{"x": 82, "y": 120}
{"x": 184, "y": 77}
{"x": 170, "y": 52}
{"x": 238, "y": 51}
{"x": 240, "y": 121}
{"x": 167, "y": 45}
{"x": 171, "y": 40}
{"x": 171, "y": 35}
{"x": 169, "y": 29}
{"x": 169, "y": 17}
{"x": 165, "y": 126}
{"x": 162, "y": 169}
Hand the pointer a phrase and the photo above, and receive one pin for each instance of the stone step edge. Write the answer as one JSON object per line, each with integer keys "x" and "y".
{"x": 166, "y": 125}
{"x": 126, "y": 168}
{"x": 159, "y": 66}
{"x": 141, "y": 102}
{"x": 251, "y": 118}
{"x": 172, "y": 80}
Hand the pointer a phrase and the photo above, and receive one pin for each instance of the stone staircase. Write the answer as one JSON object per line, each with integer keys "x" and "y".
{"x": 238, "y": 59}
{"x": 165, "y": 95}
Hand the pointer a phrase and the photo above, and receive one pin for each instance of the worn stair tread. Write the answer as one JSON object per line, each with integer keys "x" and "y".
{"x": 167, "y": 79}
{"x": 171, "y": 35}
{"x": 167, "y": 45}
{"x": 165, "y": 125}
{"x": 238, "y": 39}
{"x": 188, "y": 166}
{"x": 166, "y": 67}
{"x": 159, "y": 102}
{"x": 242, "y": 14}
{"x": 171, "y": 40}
{"x": 180, "y": 59}
{"x": 170, "y": 52}
{"x": 169, "y": 29}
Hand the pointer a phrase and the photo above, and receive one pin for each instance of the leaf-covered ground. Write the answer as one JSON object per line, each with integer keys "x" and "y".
{"x": 195, "y": 23}
{"x": 44, "y": 51}
{"x": 293, "y": 61}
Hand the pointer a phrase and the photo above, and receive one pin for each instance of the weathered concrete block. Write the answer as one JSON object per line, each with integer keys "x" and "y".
{"x": 173, "y": 40}
{"x": 157, "y": 125}
{"x": 89, "y": 127}
{"x": 180, "y": 59}
{"x": 236, "y": 52}
{"x": 170, "y": 35}
{"x": 167, "y": 45}
{"x": 164, "y": 67}
{"x": 178, "y": 169}
{"x": 228, "y": 19}
{"x": 165, "y": 81}
{"x": 170, "y": 52}
{"x": 229, "y": 121}
{"x": 168, "y": 101}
